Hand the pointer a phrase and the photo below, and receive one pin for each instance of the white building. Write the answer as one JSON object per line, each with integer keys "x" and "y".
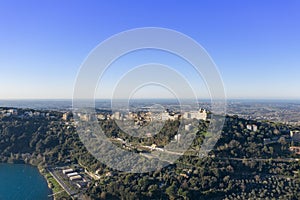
{"x": 254, "y": 127}
{"x": 77, "y": 177}
{"x": 199, "y": 115}
{"x": 188, "y": 127}
{"x": 13, "y": 111}
{"x": 177, "y": 137}
{"x": 72, "y": 174}
{"x": 66, "y": 171}
{"x": 249, "y": 127}
{"x": 117, "y": 116}
{"x": 186, "y": 115}
{"x": 165, "y": 116}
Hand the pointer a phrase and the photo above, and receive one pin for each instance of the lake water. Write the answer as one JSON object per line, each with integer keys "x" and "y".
{"x": 21, "y": 182}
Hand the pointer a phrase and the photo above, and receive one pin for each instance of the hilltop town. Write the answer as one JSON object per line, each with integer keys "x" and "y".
{"x": 248, "y": 161}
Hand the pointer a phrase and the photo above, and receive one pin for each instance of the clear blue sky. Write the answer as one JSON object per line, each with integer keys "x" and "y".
{"x": 255, "y": 44}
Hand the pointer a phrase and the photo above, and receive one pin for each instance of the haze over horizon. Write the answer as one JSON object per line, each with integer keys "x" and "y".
{"x": 255, "y": 45}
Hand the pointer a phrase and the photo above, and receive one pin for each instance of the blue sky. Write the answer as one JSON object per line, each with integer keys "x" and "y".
{"x": 255, "y": 44}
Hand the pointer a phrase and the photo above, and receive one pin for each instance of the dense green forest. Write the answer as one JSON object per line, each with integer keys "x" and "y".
{"x": 241, "y": 165}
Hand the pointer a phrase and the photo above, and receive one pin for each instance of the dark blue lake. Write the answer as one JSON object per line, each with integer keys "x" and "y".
{"x": 20, "y": 182}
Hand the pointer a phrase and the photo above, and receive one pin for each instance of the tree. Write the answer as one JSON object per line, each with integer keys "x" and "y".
{"x": 171, "y": 191}
{"x": 283, "y": 142}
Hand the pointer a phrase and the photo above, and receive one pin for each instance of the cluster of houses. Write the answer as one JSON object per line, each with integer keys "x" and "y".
{"x": 13, "y": 112}
{"x": 146, "y": 116}
{"x": 294, "y": 137}
{"x": 74, "y": 177}
{"x": 8, "y": 112}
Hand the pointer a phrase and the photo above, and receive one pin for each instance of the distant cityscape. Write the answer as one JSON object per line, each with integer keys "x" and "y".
{"x": 272, "y": 110}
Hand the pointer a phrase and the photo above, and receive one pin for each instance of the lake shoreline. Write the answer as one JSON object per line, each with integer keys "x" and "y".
{"x": 42, "y": 172}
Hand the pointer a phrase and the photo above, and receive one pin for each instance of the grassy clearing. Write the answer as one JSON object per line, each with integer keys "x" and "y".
{"x": 57, "y": 190}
